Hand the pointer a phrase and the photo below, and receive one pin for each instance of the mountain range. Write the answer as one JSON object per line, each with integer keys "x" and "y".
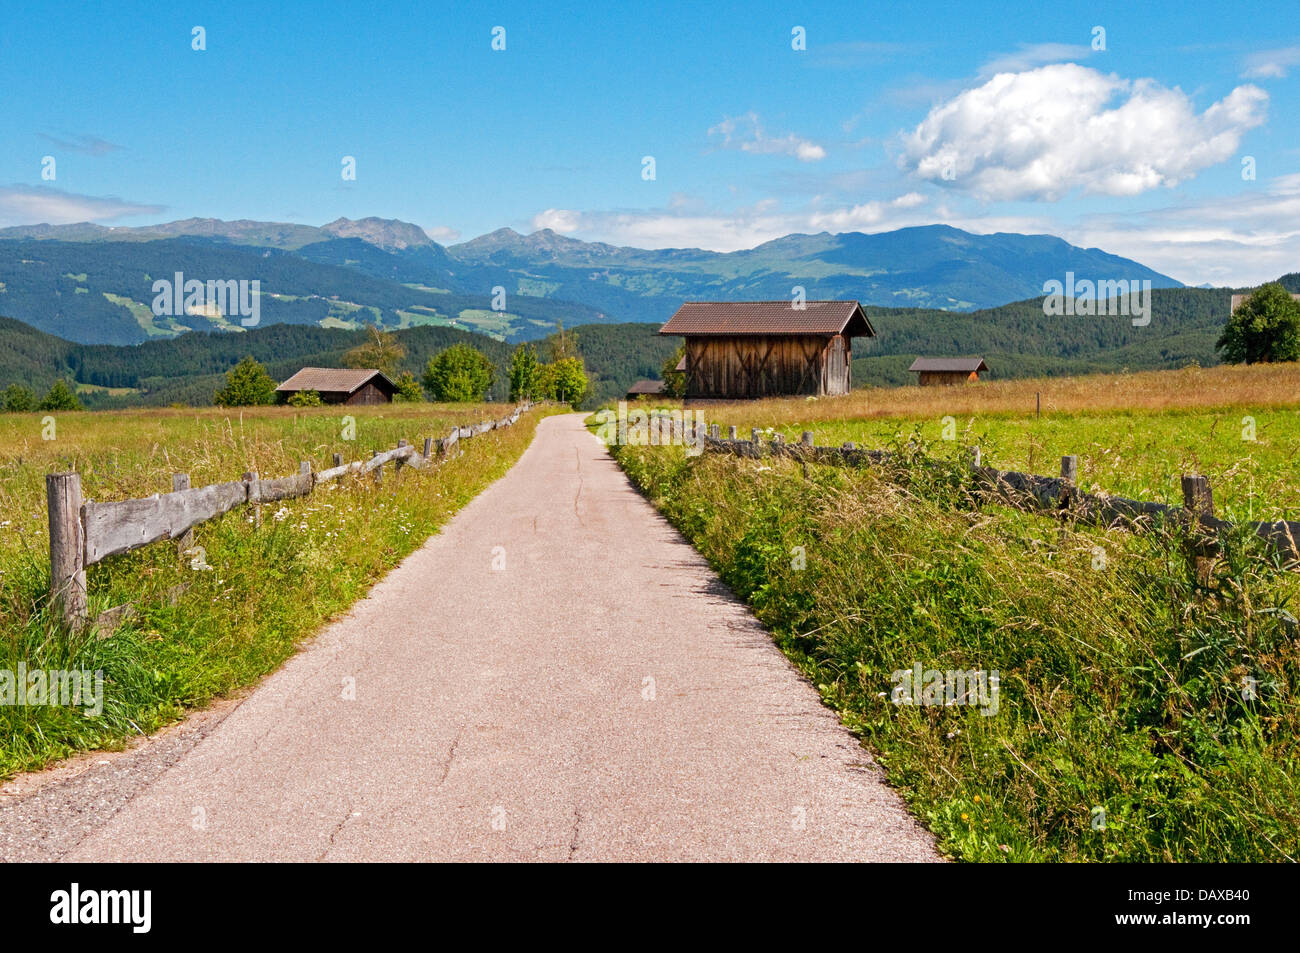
{"x": 92, "y": 284}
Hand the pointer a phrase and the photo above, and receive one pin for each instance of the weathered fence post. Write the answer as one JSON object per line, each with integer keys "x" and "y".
{"x": 1070, "y": 469}
{"x": 715, "y": 431}
{"x": 254, "y": 495}
{"x": 975, "y": 457}
{"x": 732, "y": 433}
{"x": 428, "y": 448}
{"x": 701, "y": 433}
{"x": 849, "y": 445}
{"x": 1197, "y": 496}
{"x": 807, "y": 438}
{"x": 397, "y": 466}
{"x": 379, "y": 470}
{"x": 753, "y": 436}
{"x": 67, "y": 547}
{"x": 338, "y": 459}
{"x": 181, "y": 481}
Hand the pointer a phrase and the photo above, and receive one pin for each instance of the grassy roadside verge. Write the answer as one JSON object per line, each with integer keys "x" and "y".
{"x": 1123, "y": 730}
{"x": 201, "y": 633}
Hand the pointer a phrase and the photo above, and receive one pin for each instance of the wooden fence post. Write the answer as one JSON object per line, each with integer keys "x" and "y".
{"x": 379, "y": 470}
{"x": 732, "y": 433}
{"x": 849, "y": 445}
{"x": 715, "y": 431}
{"x": 1070, "y": 469}
{"x": 397, "y": 464}
{"x": 753, "y": 436}
{"x": 1197, "y": 496}
{"x": 338, "y": 459}
{"x": 254, "y": 495}
{"x": 807, "y": 438}
{"x": 428, "y": 447}
{"x": 181, "y": 481}
{"x": 67, "y": 547}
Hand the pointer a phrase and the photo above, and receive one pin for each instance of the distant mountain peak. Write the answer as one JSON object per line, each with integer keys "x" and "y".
{"x": 387, "y": 233}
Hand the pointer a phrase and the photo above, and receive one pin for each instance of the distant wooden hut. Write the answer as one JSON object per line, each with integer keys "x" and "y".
{"x": 745, "y": 349}
{"x": 645, "y": 388}
{"x": 341, "y": 385}
{"x": 947, "y": 370}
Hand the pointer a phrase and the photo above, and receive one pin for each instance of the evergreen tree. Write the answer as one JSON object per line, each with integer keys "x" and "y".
{"x": 60, "y": 397}
{"x": 247, "y": 385}
{"x": 17, "y": 399}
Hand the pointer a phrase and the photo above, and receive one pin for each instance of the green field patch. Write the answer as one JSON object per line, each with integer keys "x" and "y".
{"x": 143, "y": 315}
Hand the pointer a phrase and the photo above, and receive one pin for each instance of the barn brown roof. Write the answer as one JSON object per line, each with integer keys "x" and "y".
{"x": 769, "y": 317}
{"x": 646, "y": 387}
{"x": 334, "y": 380}
{"x": 951, "y": 364}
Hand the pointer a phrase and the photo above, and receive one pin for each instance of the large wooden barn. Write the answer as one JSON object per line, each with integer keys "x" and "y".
{"x": 745, "y": 349}
{"x": 341, "y": 385}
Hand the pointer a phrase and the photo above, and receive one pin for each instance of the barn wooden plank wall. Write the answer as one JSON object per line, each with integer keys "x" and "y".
{"x": 83, "y": 533}
{"x": 758, "y": 365}
{"x": 1058, "y": 496}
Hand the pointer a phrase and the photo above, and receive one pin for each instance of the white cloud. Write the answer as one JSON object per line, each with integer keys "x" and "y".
{"x": 1041, "y": 134}
{"x": 1029, "y": 55}
{"x": 85, "y": 144}
{"x": 1245, "y": 239}
{"x": 1271, "y": 64}
{"x": 560, "y": 220}
{"x": 1239, "y": 240}
{"x": 746, "y": 134}
{"x": 690, "y": 224}
{"x": 30, "y": 205}
{"x": 443, "y": 234}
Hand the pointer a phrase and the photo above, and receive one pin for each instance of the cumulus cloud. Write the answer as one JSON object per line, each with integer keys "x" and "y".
{"x": 1043, "y": 133}
{"x": 746, "y": 134}
{"x": 1271, "y": 64}
{"x": 560, "y": 220}
{"x": 31, "y": 205}
{"x": 443, "y": 234}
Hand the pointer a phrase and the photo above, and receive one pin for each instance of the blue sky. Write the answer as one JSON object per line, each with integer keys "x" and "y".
{"x": 987, "y": 116}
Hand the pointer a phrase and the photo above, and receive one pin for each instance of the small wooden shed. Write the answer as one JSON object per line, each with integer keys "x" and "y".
{"x": 645, "y": 388}
{"x": 745, "y": 349}
{"x": 341, "y": 385}
{"x": 948, "y": 370}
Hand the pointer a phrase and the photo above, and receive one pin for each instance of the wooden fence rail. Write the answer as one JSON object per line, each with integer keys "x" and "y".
{"x": 1055, "y": 495}
{"x": 83, "y": 532}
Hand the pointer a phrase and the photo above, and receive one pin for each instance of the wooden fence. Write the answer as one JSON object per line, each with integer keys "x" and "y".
{"x": 1059, "y": 496}
{"x": 84, "y": 532}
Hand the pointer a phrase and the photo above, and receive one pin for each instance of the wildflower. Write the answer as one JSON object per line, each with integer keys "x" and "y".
{"x": 977, "y": 799}
{"x": 280, "y": 514}
{"x": 965, "y": 817}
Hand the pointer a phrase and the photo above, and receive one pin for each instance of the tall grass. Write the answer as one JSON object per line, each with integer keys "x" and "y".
{"x": 201, "y": 633}
{"x": 1135, "y": 434}
{"x": 1144, "y": 714}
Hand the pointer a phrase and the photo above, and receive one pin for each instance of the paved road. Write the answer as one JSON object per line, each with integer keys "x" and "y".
{"x": 504, "y": 714}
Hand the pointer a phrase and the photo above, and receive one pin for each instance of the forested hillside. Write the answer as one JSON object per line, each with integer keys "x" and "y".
{"x": 1017, "y": 340}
